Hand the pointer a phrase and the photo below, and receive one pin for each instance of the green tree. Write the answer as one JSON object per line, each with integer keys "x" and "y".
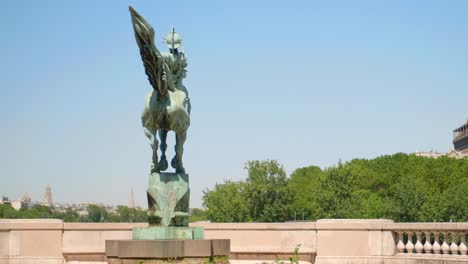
{"x": 367, "y": 204}
{"x": 266, "y": 192}
{"x": 334, "y": 198}
{"x": 455, "y": 202}
{"x": 70, "y": 216}
{"x": 6, "y": 211}
{"x": 37, "y": 211}
{"x": 226, "y": 203}
{"x": 407, "y": 199}
{"x": 303, "y": 184}
{"x": 125, "y": 214}
{"x": 97, "y": 213}
{"x": 197, "y": 214}
{"x": 141, "y": 215}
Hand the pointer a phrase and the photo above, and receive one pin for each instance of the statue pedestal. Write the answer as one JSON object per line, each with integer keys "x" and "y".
{"x": 168, "y": 238}
{"x": 168, "y": 251}
{"x": 168, "y": 199}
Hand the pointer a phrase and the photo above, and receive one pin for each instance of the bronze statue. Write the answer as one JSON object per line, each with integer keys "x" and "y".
{"x": 167, "y": 106}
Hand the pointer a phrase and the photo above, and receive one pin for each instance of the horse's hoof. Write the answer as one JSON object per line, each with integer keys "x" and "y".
{"x": 154, "y": 168}
{"x": 180, "y": 170}
{"x": 163, "y": 164}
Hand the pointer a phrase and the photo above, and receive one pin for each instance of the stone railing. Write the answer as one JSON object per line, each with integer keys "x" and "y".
{"x": 432, "y": 239}
{"x": 328, "y": 241}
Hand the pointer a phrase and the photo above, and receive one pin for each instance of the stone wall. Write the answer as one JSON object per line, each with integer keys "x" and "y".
{"x": 322, "y": 242}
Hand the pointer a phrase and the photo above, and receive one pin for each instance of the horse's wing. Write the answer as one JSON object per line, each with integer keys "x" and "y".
{"x": 152, "y": 59}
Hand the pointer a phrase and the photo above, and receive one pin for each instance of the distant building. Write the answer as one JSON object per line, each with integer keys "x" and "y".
{"x": 82, "y": 213}
{"x": 110, "y": 209}
{"x": 460, "y": 142}
{"x": 17, "y": 205}
{"x": 131, "y": 203}
{"x": 430, "y": 154}
{"x": 460, "y": 139}
{"x": 48, "y": 195}
{"x": 26, "y": 199}
{"x": 5, "y": 200}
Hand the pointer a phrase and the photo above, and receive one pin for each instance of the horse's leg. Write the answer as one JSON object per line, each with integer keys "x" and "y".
{"x": 154, "y": 144}
{"x": 163, "y": 146}
{"x": 179, "y": 148}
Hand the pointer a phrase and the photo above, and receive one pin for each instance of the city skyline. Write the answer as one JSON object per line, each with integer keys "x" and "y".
{"x": 300, "y": 82}
{"x": 47, "y": 199}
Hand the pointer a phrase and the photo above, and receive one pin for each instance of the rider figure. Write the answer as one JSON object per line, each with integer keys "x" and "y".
{"x": 175, "y": 60}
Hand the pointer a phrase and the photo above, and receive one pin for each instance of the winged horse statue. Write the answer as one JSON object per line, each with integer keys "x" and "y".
{"x": 167, "y": 106}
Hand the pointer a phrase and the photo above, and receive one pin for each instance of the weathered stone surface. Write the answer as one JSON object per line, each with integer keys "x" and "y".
{"x": 168, "y": 199}
{"x": 167, "y": 232}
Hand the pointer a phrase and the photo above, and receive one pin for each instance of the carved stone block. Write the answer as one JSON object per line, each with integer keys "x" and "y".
{"x": 168, "y": 199}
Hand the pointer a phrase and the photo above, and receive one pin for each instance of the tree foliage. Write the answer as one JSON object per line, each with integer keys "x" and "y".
{"x": 226, "y": 202}
{"x": 307, "y": 180}
{"x": 266, "y": 192}
{"x": 401, "y": 187}
{"x": 96, "y": 213}
{"x": 263, "y": 197}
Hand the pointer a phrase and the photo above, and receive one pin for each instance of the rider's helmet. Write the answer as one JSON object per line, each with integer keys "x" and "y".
{"x": 173, "y": 39}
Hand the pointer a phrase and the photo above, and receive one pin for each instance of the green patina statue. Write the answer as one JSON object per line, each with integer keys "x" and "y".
{"x": 167, "y": 108}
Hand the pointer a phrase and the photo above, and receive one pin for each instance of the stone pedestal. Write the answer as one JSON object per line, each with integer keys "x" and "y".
{"x": 168, "y": 199}
{"x": 168, "y": 238}
{"x": 167, "y": 251}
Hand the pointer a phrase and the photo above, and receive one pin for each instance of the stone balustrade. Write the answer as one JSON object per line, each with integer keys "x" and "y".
{"x": 434, "y": 239}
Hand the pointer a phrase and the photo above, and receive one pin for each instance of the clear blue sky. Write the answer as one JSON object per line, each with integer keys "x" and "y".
{"x": 303, "y": 82}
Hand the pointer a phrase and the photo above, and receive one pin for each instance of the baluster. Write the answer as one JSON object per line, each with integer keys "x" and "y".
{"x": 445, "y": 247}
{"x": 409, "y": 244}
{"x": 427, "y": 245}
{"x": 453, "y": 245}
{"x": 400, "y": 245}
{"x": 436, "y": 246}
{"x": 418, "y": 246}
{"x": 463, "y": 249}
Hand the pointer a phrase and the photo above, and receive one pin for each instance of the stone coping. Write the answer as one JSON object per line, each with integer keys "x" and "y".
{"x": 323, "y": 224}
{"x": 352, "y": 224}
{"x": 206, "y": 226}
{"x": 258, "y": 226}
{"x": 387, "y": 225}
{"x": 426, "y": 226}
{"x": 102, "y": 226}
{"x": 31, "y": 224}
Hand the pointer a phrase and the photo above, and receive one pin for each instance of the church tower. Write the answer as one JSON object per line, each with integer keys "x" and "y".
{"x": 131, "y": 203}
{"x": 48, "y": 195}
